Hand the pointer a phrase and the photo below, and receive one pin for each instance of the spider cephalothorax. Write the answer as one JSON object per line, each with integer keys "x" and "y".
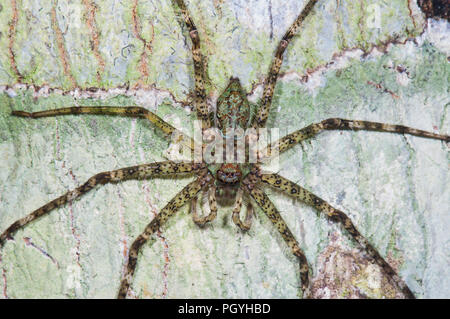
{"x": 227, "y": 179}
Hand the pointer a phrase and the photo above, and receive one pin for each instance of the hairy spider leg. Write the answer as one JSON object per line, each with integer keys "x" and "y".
{"x": 250, "y": 183}
{"x": 263, "y": 201}
{"x": 200, "y": 103}
{"x": 291, "y": 139}
{"x": 247, "y": 223}
{"x": 128, "y": 111}
{"x": 143, "y": 171}
{"x": 188, "y": 192}
{"x": 201, "y": 221}
{"x": 263, "y": 112}
{"x": 336, "y": 215}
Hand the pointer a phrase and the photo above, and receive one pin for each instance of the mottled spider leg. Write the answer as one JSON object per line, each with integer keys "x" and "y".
{"x": 133, "y": 172}
{"x": 247, "y": 223}
{"x": 263, "y": 111}
{"x": 128, "y": 111}
{"x": 342, "y": 124}
{"x": 201, "y": 221}
{"x": 189, "y": 192}
{"x": 263, "y": 201}
{"x": 336, "y": 215}
{"x": 199, "y": 68}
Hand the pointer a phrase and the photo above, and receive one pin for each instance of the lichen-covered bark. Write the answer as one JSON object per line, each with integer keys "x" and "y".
{"x": 395, "y": 188}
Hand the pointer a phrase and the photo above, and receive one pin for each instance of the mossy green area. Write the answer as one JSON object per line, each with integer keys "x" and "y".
{"x": 395, "y": 188}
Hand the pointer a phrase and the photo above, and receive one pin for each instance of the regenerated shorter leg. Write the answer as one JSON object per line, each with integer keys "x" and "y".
{"x": 189, "y": 192}
{"x": 291, "y": 139}
{"x": 336, "y": 215}
{"x": 133, "y": 172}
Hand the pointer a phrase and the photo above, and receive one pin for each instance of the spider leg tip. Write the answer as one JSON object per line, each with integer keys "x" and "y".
{"x": 4, "y": 239}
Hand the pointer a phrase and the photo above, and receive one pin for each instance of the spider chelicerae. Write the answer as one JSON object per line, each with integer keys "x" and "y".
{"x": 228, "y": 182}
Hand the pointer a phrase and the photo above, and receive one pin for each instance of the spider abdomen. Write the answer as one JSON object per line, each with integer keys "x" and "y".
{"x": 232, "y": 109}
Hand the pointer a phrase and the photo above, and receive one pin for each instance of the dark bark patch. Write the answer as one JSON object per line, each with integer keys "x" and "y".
{"x": 435, "y": 8}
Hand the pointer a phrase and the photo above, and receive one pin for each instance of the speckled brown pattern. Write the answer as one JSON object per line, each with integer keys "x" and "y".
{"x": 249, "y": 184}
{"x": 247, "y": 223}
{"x": 269, "y": 87}
{"x": 296, "y": 137}
{"x": 263, "y": 201}
{"x": 144, "y": 171}
{"x": 201, "y": 221}
{"x": 336, "y": 215}
{"x": 128, "y": 111}
{"x": 199, "y": 67}
{"x": 189, "y": 192}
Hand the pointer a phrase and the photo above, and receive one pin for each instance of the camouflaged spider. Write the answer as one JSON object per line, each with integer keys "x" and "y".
{"x": 229, "y": 181}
